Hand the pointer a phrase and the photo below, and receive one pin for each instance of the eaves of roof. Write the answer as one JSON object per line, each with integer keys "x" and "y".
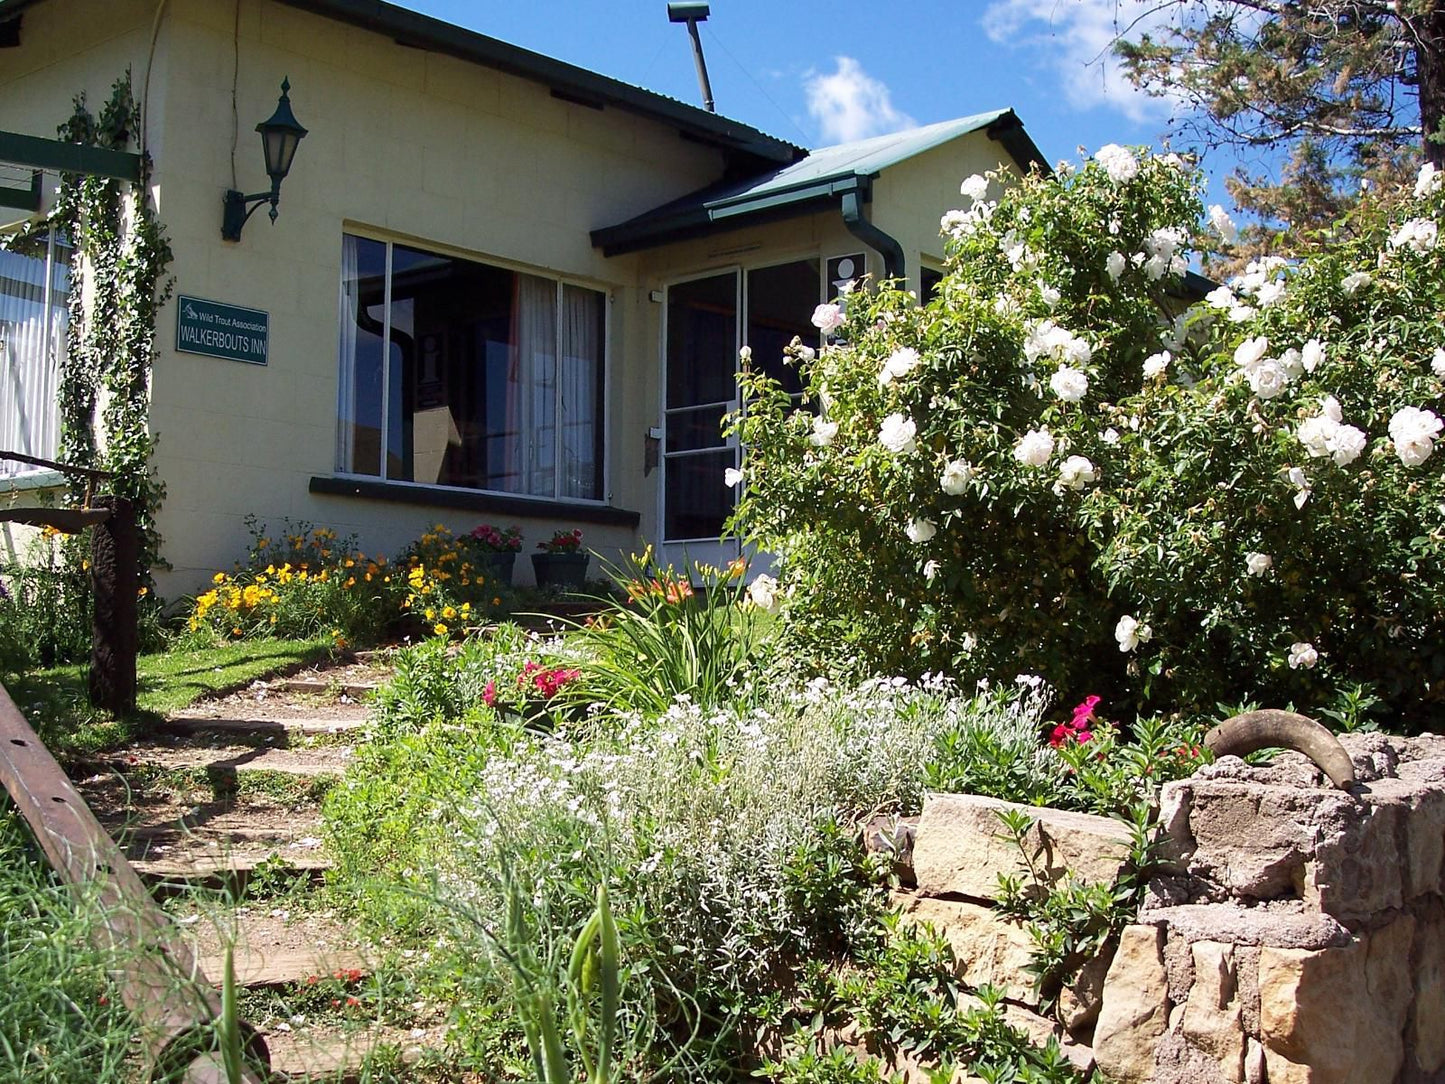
{"x": 811, "y": 184}
{"x": 567, "y": 81}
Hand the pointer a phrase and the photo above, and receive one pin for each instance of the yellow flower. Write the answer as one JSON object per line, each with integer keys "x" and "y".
{"x": 449, "y": 612}
{"x": 441, "y": 630}
{"x": 219, "y": 577}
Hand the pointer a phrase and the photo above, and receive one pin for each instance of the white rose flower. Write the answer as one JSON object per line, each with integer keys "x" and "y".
{"x": 975, "y": 187}
{"x": 732, "y": 477}
{"x": 828, "y": 318}
{"x": 1417, "y": 234}
{"x": 1315, "y": 434}
{"x": 1114, "y": 264}
{"x": 1437, "y": 363}
{"x": 805, "y": 353}
{"x": 1302, "y": 654}
{"x": 1268, "y": 378}
{"x": 1347, "y": 444}
{"x": 1048, "y": 295}
{"x": 1223, "y": 224}
{"x": 1311, "y": 354}
{"x": 823, "y": 432}
{"x": 1270, "y": 293}
{"x": 1110, "y": 436}
{"x": 1414, "y": 431}
{"x": 1257, "y": 564}
{"x": 1428, "y": 181}
{"x": 900, "y": 363}
{"x": 1076, "y": 472}
{"x": 1221, "y": 297}
{"x": 1118, "y": 162}
{"x": 745, "y": 355}
{"x": 920, "y": 530}
{"x": 1156, "y": 364}
{"x": 1034, "y": 448}
{"x": 955, "y": 223}
{"x": 763, "y": 593}
{"x": 1155, "y": 266}
{"x": 1242, "y": 314}
{"x": 930, "y": 569}
{"x": 956, "y": 476}
{"x": 1297, "y": 478}
{"x": 1130, "y": 634}
{"x": 1354, "y": 282}
{"x": 1249, "y": 352}
{"x": 897, "y": 434}
{"x": 1069, "y": 384}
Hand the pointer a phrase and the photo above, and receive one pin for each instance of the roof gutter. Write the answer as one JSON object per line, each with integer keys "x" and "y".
{"x": 882, "y": 243}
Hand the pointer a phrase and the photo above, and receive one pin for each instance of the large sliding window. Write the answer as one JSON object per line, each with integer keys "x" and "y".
{"x": 34, "y": 287}
{"x": 459, "y": 373}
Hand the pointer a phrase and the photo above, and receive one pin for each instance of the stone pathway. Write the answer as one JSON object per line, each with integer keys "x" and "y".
{"x": 220, "y": 814}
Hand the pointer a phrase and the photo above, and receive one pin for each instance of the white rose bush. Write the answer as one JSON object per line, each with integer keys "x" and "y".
{"x": 1071, "y": 433}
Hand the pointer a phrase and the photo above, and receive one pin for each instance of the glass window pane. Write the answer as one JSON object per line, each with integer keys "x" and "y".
{"x": 702, "y": 341}
{"x": 781, "y": 301}
{"x": 362, "y": 311}
{"x": 700, "y": 428}
{"x": 584, "y": 327}
{"x": 698, "y": 502}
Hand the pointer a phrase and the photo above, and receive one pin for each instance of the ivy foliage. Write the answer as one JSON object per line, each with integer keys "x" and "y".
{"x": 120, "y": 251}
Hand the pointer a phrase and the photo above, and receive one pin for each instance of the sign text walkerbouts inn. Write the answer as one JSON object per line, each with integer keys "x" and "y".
{"x": 219, "y": 330}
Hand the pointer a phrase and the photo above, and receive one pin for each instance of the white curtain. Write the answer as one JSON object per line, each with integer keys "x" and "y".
{"x": 529, "y": 450}
{"x": 581, "y": 373}
{"x": 32, "y": 341}
{"x": 346, "y": 314}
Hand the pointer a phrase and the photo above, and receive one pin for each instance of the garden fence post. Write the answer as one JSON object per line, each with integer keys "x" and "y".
{"x": 115, "y": 583}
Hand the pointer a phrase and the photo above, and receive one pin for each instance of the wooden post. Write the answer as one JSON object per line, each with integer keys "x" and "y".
{"x": 115, "y": 586}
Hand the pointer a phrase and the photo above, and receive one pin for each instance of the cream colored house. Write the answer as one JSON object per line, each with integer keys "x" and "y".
{"x": 500, "y": 288}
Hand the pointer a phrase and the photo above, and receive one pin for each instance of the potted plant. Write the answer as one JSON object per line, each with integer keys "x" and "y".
{"x": 561, "y": 562}
{"x": 496, "y": 549}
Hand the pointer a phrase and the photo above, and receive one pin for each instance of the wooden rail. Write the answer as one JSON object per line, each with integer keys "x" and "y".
{"x": 159, "y": 980}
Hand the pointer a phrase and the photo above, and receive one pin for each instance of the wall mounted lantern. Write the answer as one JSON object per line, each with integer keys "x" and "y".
{"x": 280, "y": 136}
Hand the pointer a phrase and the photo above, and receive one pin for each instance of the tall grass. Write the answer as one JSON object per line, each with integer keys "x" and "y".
{"x": 60, "y": 1020}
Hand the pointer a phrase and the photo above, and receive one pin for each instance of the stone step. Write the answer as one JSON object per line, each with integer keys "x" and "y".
{"x": 298, "y": 1057}
{"x": 321, "y": 686}
{"x": 233, "y": 869}
{"x": 259, "y": 728}
{"x": 225, "y": 760}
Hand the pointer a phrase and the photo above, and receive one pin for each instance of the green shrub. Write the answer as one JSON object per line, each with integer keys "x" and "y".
{"x": 1051, "y": 467}
{"x": 45, "y": 606}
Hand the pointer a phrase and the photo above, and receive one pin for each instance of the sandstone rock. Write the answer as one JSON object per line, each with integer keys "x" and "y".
{"x": 1336, "y": 1016}
{"x": 989, "y": 948}
{"x": 1080, "y": 999}
{"x": 1427, "y": 1012}
{"x": 1424, "y": 846}
{"x": 1356, "y": 870}
{"x": 1292, "y": 927}
{"x": 961, "y": 848}
{"x": 1135, "y": 1007}
{"x": 1254, "y": 1068}
{"x": 1211, "y": 1021}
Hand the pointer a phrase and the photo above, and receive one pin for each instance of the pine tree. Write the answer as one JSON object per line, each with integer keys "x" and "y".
{"x": 1347, "y": 91}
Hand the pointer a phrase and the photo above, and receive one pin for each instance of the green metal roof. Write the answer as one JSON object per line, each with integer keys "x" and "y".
{"x": 808, "y": 185}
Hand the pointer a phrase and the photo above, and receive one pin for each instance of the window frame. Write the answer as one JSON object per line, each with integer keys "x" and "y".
{"x": 14, "y": 474}
{"x": 546, "y": 502}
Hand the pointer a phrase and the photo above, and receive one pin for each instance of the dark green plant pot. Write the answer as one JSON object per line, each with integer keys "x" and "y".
{"x": 497, "y": 567}
{"x": 560, "y": 569}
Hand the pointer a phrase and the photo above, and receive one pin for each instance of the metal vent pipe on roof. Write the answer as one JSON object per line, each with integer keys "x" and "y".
{"x": 693, "y": 12}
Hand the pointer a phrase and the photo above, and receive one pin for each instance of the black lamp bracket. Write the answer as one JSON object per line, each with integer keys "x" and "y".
{"x": 239, "y": 209}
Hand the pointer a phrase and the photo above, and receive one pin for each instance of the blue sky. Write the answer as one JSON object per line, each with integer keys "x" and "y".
{"x": 821, "y": 73}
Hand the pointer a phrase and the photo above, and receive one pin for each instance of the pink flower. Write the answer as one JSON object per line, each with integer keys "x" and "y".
{"x": 828, "y": 318}
{"x": 489, "y": 694}
{"x": 1085, "y": 711}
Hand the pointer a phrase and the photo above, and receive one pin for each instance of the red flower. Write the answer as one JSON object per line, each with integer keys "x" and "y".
{"x": 489, "y": 694}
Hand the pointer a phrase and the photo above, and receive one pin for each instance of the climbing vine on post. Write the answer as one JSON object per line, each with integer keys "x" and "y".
{"x": 120, "y": 254}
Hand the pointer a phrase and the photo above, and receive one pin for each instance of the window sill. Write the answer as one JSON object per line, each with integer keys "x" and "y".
{"x": 493, "y": 503}
{"x": 35, "y": 479}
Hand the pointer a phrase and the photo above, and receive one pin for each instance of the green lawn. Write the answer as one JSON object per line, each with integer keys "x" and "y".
{"x": 56, "y": 704}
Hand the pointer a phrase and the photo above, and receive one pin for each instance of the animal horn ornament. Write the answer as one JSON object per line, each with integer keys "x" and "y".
{"x": 1274, "y": 729}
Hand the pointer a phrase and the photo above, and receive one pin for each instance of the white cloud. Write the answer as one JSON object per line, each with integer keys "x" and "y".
{"x": 1075, "y": 38}
{"x": 850, "y": 104}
